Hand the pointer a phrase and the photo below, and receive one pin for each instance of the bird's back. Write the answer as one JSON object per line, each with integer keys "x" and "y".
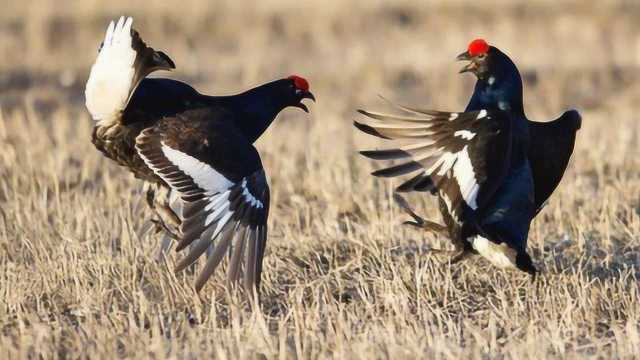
{"x": 156, "y": 98}
{"x": 153, "y": 100}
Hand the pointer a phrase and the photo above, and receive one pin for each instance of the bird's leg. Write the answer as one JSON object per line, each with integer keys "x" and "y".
{"x": 161, "y": 226}
{"x": 168, "y": 237}
{"x": 427, "y": 225}
{"x": 166, "y": 219}
{"x": 455, "y": 256}
{"x": 418, "y": 221}
{"x": 459, "y": 256}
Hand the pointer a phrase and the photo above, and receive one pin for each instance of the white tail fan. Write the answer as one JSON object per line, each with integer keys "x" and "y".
{"x": 111, "y": 78}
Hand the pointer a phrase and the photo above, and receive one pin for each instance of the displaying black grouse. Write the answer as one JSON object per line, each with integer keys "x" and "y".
{"x": 491, "y": 168}
{"x": 195, "y": 152}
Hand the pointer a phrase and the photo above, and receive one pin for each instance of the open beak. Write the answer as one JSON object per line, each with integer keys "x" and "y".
{"x": 464, "y": 56}
{"x": 470, "y": 67}
{"x": 305, "y": 95}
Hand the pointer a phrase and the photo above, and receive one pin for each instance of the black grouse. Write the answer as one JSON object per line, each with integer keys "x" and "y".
{"x": 491, "y": 168}
{"x": 194, "y": 152}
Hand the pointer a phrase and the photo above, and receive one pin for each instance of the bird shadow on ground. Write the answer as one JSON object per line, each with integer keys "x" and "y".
{"x": 590, "y": 260}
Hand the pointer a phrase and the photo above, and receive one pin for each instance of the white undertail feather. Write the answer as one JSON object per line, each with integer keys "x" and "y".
{"x": 111, "y": 79}
{"x": 499, "y": 255}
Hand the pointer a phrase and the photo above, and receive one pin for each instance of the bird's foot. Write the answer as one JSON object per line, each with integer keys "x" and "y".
{"x": 418, "y": 221}
{"x": 162, "y": 226}
{"x": 455, "y": 256}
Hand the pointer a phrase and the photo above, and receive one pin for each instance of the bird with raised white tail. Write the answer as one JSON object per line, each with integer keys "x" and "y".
{"x": 194, "y": 152}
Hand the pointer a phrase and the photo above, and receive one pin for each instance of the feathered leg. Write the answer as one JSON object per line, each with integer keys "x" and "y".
{"x": 167, "y": 209}
{"x": 418, "y": 221}
{"x": 431, "y": 226}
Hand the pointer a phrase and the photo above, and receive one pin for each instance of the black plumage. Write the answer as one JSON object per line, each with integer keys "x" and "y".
{"x": 207, "y": 184}
{"x": 551, "y": 148}
{"x": 491, "y": 168}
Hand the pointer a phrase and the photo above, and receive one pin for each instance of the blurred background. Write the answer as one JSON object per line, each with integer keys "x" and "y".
{"x": 583, "y": 54}
{"x": 336, "y": 252}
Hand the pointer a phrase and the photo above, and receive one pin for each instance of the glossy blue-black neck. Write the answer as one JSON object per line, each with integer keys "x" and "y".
{"x": 257, "y": 108}
{"x": 499, "y": 86}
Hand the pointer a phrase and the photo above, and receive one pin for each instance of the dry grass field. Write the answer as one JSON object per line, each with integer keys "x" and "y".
{"x": 79, "y": 277}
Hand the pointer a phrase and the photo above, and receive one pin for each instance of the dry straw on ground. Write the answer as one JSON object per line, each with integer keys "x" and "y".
{"x": 343, "y": 279}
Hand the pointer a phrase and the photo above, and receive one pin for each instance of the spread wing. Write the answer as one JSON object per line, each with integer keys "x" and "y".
{"x": 462, "y": 156}
{"x": 220, "y": 179}
{"x": 549, "y": 152}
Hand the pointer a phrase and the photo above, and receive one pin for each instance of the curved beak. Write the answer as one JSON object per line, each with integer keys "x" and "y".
{"x": 305, "y": 95}
{"x": 470, "y": 67}
{"x": 464, "y": 56}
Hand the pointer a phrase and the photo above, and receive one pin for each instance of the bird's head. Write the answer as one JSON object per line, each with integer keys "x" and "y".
{"x": 296, "y": 89}
{"x": 499, "y": 80}
{"x": 480, "y": 56}
{"x": 486, "y": 61}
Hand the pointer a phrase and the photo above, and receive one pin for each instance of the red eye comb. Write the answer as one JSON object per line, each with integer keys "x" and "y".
{"x": 478, "y": 47}
{"x": 300, "y": 82}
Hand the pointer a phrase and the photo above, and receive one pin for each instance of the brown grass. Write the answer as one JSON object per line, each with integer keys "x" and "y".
{"x": 342, "y": 278}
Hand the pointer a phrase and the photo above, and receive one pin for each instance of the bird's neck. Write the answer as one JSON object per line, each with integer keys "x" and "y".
{"x": 499, "y": 92}
{"x": 504, "y": 92}
{"x": 254, "y": 110}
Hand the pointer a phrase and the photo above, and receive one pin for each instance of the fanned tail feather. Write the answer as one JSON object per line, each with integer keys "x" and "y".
{"x": 123, "y": 61}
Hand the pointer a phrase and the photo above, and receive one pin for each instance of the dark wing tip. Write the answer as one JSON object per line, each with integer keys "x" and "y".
{"x": 369, "y": 130}
{"x": 421, "y": 183}
{"x": 389, "y": 154}
{"x": 398, "y": 170}
{"x": 576, "y": 117}
{"x": 372, "y": 115}
{"x": 401, "y": 201}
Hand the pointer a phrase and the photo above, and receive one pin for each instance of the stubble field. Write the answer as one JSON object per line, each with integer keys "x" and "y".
{"x": 343, "y": 279}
